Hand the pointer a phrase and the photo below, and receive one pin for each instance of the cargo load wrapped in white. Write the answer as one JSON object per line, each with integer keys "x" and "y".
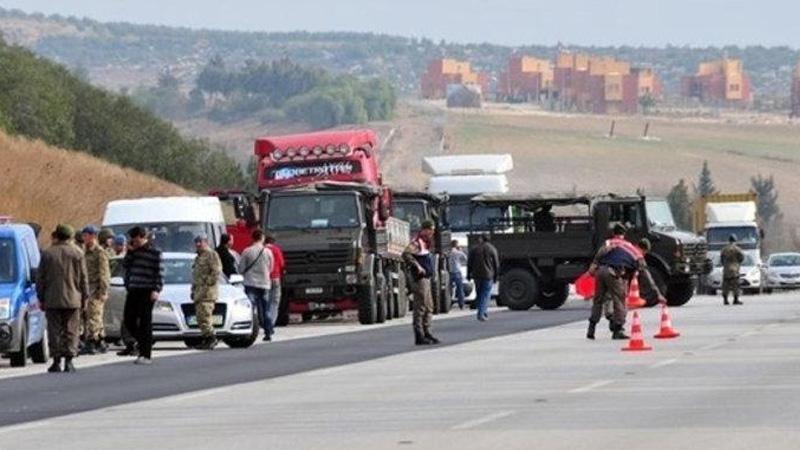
{"x": 458, "y": 185}
{"x": 731, "y": 212}
{"x": 467, "y": 164}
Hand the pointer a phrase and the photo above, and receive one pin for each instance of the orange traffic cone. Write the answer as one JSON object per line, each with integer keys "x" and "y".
{"x": 634, "y": 299}
{"x": 636, "y": 344}
{"x": 667, "y": 332}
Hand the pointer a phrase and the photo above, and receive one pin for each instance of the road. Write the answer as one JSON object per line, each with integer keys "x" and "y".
{"x": 520, "y": 381}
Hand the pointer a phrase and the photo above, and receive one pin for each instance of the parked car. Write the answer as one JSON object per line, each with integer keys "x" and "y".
{"x": 174, "y": 316}
{"x": 782, "y": 271}
{"x": 750, "y": 275}
{"x": 23, "y": 328}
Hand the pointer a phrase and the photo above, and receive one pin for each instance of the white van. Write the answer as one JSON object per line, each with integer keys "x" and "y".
{"x": 172, "y": 221}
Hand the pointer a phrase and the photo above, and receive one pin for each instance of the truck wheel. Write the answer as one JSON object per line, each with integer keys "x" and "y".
{"x": 402, "y": 295}
{"x": 660, "y": 278}
{"x": 40, "y": 351}
{"x": 283, "y": 313}
{"x": 386, "y": 292}
{"x": 435, "y": 294}
{"x": 367, "y": 304}
{"x": 678, "y": 294}
{"x": 553, "y": 297}
{"x": 445, "y": 296}
{"x": 382, "y": 299}
{"x": 20, "y": 357}
{"x": 519, "y": 289}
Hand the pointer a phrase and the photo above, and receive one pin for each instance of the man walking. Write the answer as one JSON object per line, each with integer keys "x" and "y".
{"x": 255, "y": 266}
{"x": 143, "y": 281}
{"x": 419, "y": 265}
{"x": 278, "y": 268}
{"x": 206, "y": 271}
{"x": 62, "y": 290}
{"x": 731, "y": 258}
{"x": 99, "y": 278}
{"x": 483, "y": 266}
{"x": 457, "y": 259}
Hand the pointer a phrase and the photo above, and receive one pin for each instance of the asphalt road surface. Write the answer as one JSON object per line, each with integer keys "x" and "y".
{"x": 520, "y": 381}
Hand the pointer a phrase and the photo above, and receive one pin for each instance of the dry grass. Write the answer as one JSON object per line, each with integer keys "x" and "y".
{"x": 48, "y": 185}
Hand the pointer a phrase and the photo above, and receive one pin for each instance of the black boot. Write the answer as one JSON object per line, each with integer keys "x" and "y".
{"x": 100, "y": 346}
{"x": 619, "y": 335}
{"x": 129, "y": 350}
{"x": 68, "y": 367}
{"x": 56, "y": 366}
{"x": 725, "y": 301}
{"x": 736, "y": 301}
{"x": 419, "y": 338}
{"x": 88, "y": 348}
{"x": 431, "y": 339}
{"x": 590, "y": 331}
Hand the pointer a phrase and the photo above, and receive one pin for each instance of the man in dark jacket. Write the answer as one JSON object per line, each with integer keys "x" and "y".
{"x": 483, "y": 265}
{"x": 143, "y": 281}
{"x": 63, "y": 292}
{"x": 226, "y": 255}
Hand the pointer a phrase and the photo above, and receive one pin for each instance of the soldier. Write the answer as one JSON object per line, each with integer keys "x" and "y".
{"x": 62, "y": 289}
{"x": 106, "y": 240}
{"x": 206, "y": 271}
{"x": 419, "y": 267}
{"x": 99, "y": 278}
{"x": 731, "y": 257}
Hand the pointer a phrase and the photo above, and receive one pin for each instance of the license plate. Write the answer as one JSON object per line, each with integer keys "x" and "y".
{"x": 319, "y": 306}
{"x": 216, "y": 320}
{"x": 314, "y": 291}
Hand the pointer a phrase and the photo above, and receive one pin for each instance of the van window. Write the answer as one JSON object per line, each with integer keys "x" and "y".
{"x": 8, "y": 261}
{"x": 173, "y": 237}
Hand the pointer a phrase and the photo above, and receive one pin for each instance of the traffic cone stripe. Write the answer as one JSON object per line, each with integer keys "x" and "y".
{"x": 666, "y": 332}
{"x": 636, "y": 343}
{"x": 634, "y": 299}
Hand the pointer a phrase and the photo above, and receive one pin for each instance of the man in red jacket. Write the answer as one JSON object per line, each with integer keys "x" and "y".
{"x": 278, "y": 268}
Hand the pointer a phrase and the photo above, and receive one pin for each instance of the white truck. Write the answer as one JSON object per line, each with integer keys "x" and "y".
{"x": 462, "y": 177}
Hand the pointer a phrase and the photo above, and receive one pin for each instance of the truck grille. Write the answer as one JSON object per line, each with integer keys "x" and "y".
{"x": 318, "y": 261}
{"x": 697, "y": 253}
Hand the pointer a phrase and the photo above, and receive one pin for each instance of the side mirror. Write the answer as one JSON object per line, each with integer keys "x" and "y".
{"x": 236, "y": 279}
{"x": 117, "y": 281}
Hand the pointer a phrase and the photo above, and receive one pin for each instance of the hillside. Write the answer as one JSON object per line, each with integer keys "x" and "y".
{"x": 118, "y": 55}
{"x": 48, "y": 185}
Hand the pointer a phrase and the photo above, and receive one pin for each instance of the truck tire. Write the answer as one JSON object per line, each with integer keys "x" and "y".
{"x": 435, "y": 294}
{"x": 387, "y": 292}
{"x": 367, "y": 304}
{"x": 519, "y": 289}
{"x": 40, "y": 351}
{"x": 20, "y": 357}
{"x": 445, "y": 297}
{"x": 382, "y": 300}
{"x": 402, "y": 294}
{"x": 553, "y": 297}
{"x": 660, "y": 278}
{"x": 283, "y": 313}
{"x": 678, "y": 294}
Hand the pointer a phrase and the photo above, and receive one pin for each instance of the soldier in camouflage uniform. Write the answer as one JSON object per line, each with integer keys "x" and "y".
{"x": 99, "y": 279}
{"x": 731, "y": 258}
{"x": 419, "y": 268}
{"x": 106, "y": 239}
{"x": 206, "y": 271}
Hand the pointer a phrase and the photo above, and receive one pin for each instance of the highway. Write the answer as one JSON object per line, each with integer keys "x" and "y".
{"x": 520, "y": 381}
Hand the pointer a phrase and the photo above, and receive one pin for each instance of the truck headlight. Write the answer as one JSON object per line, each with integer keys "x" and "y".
{"x": 351, "y": 278}
{"x": 243, "y": 303}
{"x": 350, "y": 268}
{"x": 5, "y": 308}
{"x": 163, "y": 306}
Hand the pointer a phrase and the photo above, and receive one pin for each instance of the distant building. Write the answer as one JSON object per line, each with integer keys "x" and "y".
{"x": 527, "y": 79}
{"x": 601, "y": 84}
{"x": 796, "y": 92}
{"x": 719, "y": 82}
{"x": 444, "y": 72}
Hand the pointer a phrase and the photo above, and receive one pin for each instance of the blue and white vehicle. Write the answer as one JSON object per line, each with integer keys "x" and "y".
{"x": 23, "y": 326}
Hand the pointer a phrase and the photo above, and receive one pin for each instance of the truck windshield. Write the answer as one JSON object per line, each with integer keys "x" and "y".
{"x": 459, "y": 216}
{"x": 8, "y": 261}
{"x": 312, "y": 211}
{"x": 660, "y": 214}
{"x": 413, "y": 212}
{"x": 172, "y": 237}
{"x": 747, "y": 236}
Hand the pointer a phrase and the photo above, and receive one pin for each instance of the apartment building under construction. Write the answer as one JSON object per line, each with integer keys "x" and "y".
{"x": 721, "y": 82}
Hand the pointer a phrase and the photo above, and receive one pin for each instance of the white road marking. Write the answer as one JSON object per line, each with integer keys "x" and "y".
{"x": 24, "y": 426}
{"x": 482, "y": 420}
{"x": 591, "y": 387}
{"x": 666, "y": 362}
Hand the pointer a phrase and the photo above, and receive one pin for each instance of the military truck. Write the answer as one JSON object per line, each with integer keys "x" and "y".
{"x": 415, "y": 208}
{"x": 537, "y": 267}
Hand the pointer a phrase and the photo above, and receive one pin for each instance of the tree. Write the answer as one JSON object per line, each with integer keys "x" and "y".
{"x": 767, "y": 205}
{"x": 681, "y": 205}
{"x": 705, "y": 185}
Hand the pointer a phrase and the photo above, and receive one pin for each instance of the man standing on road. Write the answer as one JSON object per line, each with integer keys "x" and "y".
{"x": 483, "y": 266}
{"x": 255, "y": 266}
{"x": 63, "y": 292}
{"x": 278, "y": 268}
{"x": 99, "y": 278}
{"x": 226, "y": 255}
{"x": 206, "y": 271}
{"x": 419, "y": 264}
{"x": 144, "y": 279}
{"x": 105, "y": 238}
{"x": 731, "y": 258}
{"x": 457, "y": 259}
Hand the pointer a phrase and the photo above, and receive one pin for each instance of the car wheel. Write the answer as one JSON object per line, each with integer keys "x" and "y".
{"x": 20, "y": 357}
{"x": 40, "y": 351}
{"x": 244, "y": 341}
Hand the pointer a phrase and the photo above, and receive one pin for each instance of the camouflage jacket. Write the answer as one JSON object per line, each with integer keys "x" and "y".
{"x": 98, "y": 271}
{"x": 731, "y": 258}
{"x": 206, "y": 271}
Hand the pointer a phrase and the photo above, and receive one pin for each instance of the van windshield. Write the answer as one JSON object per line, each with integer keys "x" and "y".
{"x": 8, "y": 261}
{"x": 172, "y": 237}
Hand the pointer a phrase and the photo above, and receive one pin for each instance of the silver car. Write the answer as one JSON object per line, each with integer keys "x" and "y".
{"x": 782, "y": 271}
{"x": 174, "y": 318}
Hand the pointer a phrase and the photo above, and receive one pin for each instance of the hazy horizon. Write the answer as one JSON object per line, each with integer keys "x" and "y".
{"x": 507, "y": 22}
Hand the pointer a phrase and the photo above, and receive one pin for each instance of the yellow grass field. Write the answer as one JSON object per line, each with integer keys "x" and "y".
{"x": 48, "y": 185}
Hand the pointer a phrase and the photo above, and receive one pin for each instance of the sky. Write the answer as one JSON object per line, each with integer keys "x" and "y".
{"x": 508, "y": 22}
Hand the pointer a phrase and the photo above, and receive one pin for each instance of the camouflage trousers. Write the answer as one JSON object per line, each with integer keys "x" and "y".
{"x": 610, "y": 293}
{"x": 94, "y": 328}
{"x": 205, "y": 317}
{"x": 63, "y": 331}
{"x": 423, "y": 305}
{"x": 730, "y": 286}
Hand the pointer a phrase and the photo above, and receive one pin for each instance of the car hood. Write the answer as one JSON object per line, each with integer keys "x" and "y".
{"x": 181, "y": 293}
{"x": 682, "y": 236}
{"x": 743, "y": 270}
{"x": 784, "y": 270}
